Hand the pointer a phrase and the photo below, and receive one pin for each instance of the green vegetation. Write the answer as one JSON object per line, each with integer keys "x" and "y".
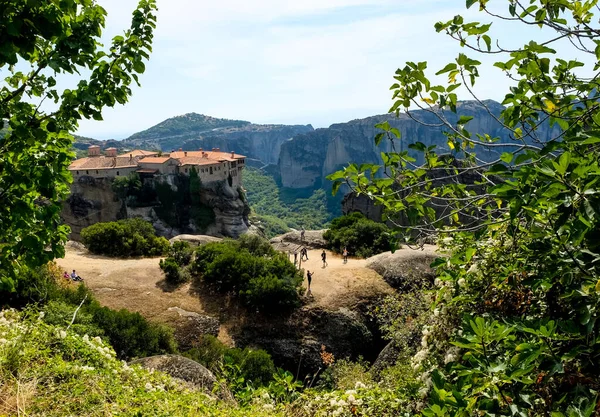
{"x": 514, "y": 330}
{"x": 176, "y": 266}
{"x": 49, "y": 370}
{"x": 277, "y": 210}
{"x": 124, "y": 238}
{"x": 49, "y": 39}
{"x": 361, "y": 236}
{"x": 130, "y": 334}
{"x": 252, "y": 366}
{"x": 251, "y": 269}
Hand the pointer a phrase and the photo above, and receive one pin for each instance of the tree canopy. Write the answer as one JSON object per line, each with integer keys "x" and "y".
{"x": 516, "y": 326}
{"x": 40, "y": 41}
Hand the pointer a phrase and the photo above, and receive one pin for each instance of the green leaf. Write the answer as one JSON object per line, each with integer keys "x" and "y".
{"x": 506, "y": 157}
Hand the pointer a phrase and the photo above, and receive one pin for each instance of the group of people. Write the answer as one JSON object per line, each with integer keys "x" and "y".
{"x": 72, "y": 276}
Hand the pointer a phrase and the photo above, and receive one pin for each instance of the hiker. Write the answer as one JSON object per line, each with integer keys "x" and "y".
{"x": 302, "y": 234}
{"x": 295, "y": 258}
{"x": 309, "y": 276}
{"x": 345, "y": 254}
{"x": 324, "y": 258}
{"x": 66, "y": 275}
{"x": 303, "y": 254}
{"x": 75, "y": 277}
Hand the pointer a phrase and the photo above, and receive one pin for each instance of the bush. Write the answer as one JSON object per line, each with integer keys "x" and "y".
{"x": 173, "y": 273}
{"x": 361, "y": 236}
{"x": 125, "y": 238}
{"x": 252, "y": 269}
{"x": 255, "y": 366}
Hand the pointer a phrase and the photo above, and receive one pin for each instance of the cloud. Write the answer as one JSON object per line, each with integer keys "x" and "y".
{"x": 309, "y": 61}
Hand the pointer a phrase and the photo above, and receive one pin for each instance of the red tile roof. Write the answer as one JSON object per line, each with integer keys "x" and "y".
{"x": 155, "y": 160}
{"x": 139, "y": 152}
{"x": 104, "y": 162}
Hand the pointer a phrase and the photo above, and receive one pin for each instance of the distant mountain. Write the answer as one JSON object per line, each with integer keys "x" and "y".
{"x": 193, "y": 131}
{"x": 307, "y": 159}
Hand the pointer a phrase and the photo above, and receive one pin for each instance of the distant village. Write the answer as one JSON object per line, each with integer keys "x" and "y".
{"x": 211, "y": 165}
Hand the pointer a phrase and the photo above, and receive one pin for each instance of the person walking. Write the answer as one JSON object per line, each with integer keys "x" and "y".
{"x": 324, "y": 258}
{"x": 309, "y": 276}
{"x": 345, "y": 254}
{"x": 303, "y": 254}
{"x": 302, "y": 234}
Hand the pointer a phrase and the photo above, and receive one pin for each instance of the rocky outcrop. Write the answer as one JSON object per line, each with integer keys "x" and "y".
{"x": 307, "y": 159}
{"x": 190, "y": 326}
{"x": 313, "y": 239}
{"x": 405, "y": 268}
{"x": 231, "y": 211}
{"x": 91, "y": 201}
{"x": 386, "y": 358}
{"x": 258, "y": 142}
{"x": 362, "y": 204}
{"x": 188, "y": 372}
{"x": 296, "y": 342}
{"x": 196, "y": 240}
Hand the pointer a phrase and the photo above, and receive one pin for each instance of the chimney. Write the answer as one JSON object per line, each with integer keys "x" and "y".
{"x": 180, "y": 149}
{"x": 232, "y": 154}
{"x": 204, "y": 155}
{"x": 111, "y": 152}
{"x": 185, "y": 153}
{"x": 131, "y": 157}
{"x": 217, "y": 150}
{"x": 200, "y": 150}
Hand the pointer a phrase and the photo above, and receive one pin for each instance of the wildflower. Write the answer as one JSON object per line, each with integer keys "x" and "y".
{"x": 86, "y": 338}
{"x": 149, "y": 387}
{"x": 42, "y": 315}
{"x": 473, "y": 269}
{"x": 350, "y": 392}
{"x": 351, "y": 399}
{"x": 359, "y": 385}
{"x": 268, "y": 407}
{"x": 62, "y": 334}
{"x": 265, "y": 395}
{"x": 462, "y": 282}
{"x": 436, "y": 312}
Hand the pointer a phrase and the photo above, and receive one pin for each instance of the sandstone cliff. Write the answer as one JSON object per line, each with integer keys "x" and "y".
{"x": 171, "y": 212}
{"x": 308, "y": 158}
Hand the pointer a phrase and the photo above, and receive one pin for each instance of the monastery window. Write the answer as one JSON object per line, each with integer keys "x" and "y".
{"x": 117, "y": 173}
{"x": 186, "y": 171}
{"x": 96, "y": 172}
{"x": 77, "y": 172}
{"x": 87, "y": 172}
{"x": 211, "y": 171}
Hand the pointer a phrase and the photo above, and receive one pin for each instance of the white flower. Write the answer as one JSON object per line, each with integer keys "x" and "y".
{"x": 333, "y": 402}
{"x": 424, "y": 341}
{"x": 449, "y": 358}
{"x": 342, "y": 403}
{"x": 351, "y": 399}
{"x": 350, "y": 392}
{"x": 462, "y": 282}
{"x": 265, "y": 395}
{"x": 62, "y": 334}
{"x": 97, "y": 340}
{"x": 268, "y": 406}
{"x": 423, "y": 392}
{"x": 42, "y": 315}
{"x": 436, "y": 312}
{"x": 2, "y": 341}
{"x": 149, "y": 387}
{"x": 473, "y": 269}
{"x": 86, "y": 338}
{"x": 359, "y": 385}
{"x": 438, "y": 282}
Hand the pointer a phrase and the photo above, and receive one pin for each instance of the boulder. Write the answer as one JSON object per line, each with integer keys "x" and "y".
{"x": 313, "y": 239}
{"x": 406, "y": 268}
{"x": 189, "y": 373}
{"x": 190, "y": 326}
{"x": 196, "y": 240}
{"x": 388, "y": 357}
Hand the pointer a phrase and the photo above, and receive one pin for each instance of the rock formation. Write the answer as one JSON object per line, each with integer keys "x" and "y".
{"x": 307, "y": 159}
{"x": 191, "y": 374}
{"x": 405, "y": 269}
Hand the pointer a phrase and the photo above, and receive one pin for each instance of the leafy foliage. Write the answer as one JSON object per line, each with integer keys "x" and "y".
{"x": 54, "y": 38}
{"x": 124, "y": 238}
{"x": 176, "y": 265}
{"x": 255, "y": 366}
{"x": 276, "y": 210}
{"x": 251, "y": 269}
{"x": 516, "y": 330}
{"x": 361, "y": 236}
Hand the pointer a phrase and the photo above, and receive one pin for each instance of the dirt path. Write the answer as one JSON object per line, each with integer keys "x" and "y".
{"x": 137, "y": 284}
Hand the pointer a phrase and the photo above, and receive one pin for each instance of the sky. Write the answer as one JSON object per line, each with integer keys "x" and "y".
{"x": 313, "y": 62}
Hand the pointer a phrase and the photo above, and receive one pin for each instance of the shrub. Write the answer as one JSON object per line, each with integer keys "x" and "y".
{"x": 173, "y": 273}
{"x": 361, "y": 236}
{"x": 255, "y": 366}
{"x": 125, "y": 238}
{"x": 252, "y": 269}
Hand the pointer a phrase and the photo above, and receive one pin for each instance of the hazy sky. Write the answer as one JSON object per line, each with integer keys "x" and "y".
{"x": 282, "y": 61}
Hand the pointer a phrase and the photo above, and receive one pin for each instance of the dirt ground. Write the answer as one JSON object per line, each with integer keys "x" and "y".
{"x": 138, "y": 285}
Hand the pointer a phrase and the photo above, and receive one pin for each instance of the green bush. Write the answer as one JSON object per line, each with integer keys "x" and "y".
{"x": 255, "y": 366}
{"x": 251, "y": 269}
{"x": 173, "y": 272}
{"x": 361, "y": 236}
{"x": 181, "y": 252}
{"x": 124, "y": 238}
